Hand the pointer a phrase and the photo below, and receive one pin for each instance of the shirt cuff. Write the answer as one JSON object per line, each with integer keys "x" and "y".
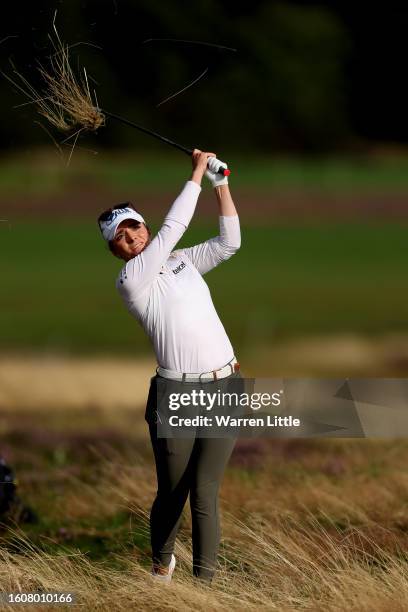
{"x": 230, "y": 229}
{"x": 195, "y": 185}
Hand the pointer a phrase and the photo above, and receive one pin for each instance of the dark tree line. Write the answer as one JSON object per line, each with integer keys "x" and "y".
{"x": 307, "y": 77}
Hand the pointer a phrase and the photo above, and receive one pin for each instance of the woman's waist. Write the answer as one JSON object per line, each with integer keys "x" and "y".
{"x": 229, "y": 367}
{"x": 195, "y": 359}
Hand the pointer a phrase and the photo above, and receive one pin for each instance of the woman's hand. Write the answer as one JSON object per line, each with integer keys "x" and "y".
{"x": 214, "y": 165}
{"x": 200, "y": 160}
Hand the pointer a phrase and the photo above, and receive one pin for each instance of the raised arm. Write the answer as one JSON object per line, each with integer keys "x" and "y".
{"x": 209, "y": 254}
{"x": 140, "y": 271}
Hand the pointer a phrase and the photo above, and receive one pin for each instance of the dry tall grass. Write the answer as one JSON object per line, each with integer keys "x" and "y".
{"x": 281, "y": 567}
{"x": 66, "y": 100}
{"x": 288, "y": 543}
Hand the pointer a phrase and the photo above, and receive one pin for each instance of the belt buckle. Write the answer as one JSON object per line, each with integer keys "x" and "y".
{"x": 203, "y": 374}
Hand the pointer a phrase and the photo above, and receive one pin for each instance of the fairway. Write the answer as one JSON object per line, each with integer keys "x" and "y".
{"x": 59, "y": 285}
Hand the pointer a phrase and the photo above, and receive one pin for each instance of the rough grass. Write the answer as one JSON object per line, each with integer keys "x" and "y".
{"x": 306, "y": 524}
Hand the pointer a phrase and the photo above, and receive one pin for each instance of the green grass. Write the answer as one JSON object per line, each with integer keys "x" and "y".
{"x": 58, "y": 285}
{"x": 45, "y": 172}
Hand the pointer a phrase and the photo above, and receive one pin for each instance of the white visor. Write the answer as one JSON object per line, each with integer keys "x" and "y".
{"x": 109, "y": 225}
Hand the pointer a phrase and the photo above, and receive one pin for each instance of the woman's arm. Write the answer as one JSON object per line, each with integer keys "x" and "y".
{"x": 209, "y": 254}
{"x": 225, "y": 203}
{"x": 140, "y": 271}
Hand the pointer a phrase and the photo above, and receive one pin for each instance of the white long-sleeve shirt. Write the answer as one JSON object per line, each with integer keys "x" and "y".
{"x": 165, "y": 291}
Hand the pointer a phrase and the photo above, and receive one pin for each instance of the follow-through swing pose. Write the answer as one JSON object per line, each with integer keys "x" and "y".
{"x": 165, "y": 291}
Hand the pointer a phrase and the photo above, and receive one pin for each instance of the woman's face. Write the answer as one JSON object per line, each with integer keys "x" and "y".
{"x": 130, "y": 239}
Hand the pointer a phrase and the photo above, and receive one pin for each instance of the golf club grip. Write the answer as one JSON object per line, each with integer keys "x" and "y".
{"x": 224, "y": 171}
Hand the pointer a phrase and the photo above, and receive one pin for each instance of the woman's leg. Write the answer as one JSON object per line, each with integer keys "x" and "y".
{"x": 172, "y": 458}
{"x": 173, "y": 469}
{"x": 210, "y": 457}
{"x": 187, "y": 464}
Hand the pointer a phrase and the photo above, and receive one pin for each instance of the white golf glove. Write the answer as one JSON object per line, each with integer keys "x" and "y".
{"x": 211, "y": 173}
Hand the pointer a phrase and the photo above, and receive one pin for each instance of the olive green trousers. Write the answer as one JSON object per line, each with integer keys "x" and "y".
{"x": 187, "y": 466}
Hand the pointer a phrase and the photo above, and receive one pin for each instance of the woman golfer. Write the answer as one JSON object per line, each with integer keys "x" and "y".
{"x": 165, "y": 291}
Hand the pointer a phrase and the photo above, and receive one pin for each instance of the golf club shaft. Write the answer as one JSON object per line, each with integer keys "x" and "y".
{"x": 222, "y": 171}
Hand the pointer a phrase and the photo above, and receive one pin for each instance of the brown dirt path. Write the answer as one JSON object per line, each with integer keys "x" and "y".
{"x": 274, "y": 206}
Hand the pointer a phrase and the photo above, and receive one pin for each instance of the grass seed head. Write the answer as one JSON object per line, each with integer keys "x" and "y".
{"x": 66, "y": 101}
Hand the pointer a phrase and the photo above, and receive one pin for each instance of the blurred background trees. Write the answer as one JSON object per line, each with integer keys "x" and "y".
{"x": 306, "y": 77}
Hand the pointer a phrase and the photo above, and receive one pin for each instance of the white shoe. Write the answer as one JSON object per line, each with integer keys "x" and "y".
{"x": 165, "y": 577}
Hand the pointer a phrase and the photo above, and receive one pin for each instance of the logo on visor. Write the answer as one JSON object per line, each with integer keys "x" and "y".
{"x": 115, "y": 213}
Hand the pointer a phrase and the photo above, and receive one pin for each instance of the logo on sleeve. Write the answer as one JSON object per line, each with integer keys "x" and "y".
{"x": 179, "y": 268}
